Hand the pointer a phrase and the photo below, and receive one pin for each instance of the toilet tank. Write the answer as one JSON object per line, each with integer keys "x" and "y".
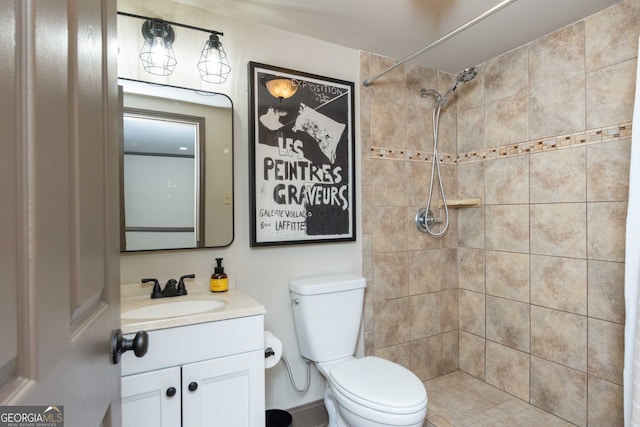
{"x": 327, "y": 311}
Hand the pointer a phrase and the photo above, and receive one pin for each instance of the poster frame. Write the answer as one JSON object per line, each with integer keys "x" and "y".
{"x": 314, "y": 94}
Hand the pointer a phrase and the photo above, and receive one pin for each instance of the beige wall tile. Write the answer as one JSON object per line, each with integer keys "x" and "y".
{"x": 390, "y": 275}
{"x": 507, "y": 120}
{"x": 369, "y": 344}
{"x": 557, "y": 82}
{"x": 392, "y": 81}
{"x": 471, "y": 230}
{"x": 559, "y": 229}
{"x": 367, "y": 257}
{"x": 426, "y": 315}
{"x": 389, "y": 233}
{"x": 449, "y": 310}
{"x": 508, "y": 275}
{"x": 471, "y": 130}
{"x": 391, "y": 324}
{"x": 367, "y": 311}
{"x": 507, "y": 180}
{"x": 389, "y": 180}
{"x": 471, "y": 180}
{"x": 400, "y": 354}
{"x": 606, "y": 291}
{"x": 606, "y": 350}
{"x": 417, "y": 180}
{"x": 432, "y": 270}
{"x": 507, "y": 75}
{"x": 472, "y": 355}
{"x": 608, "y": 171}
{"x": 559, "y": 390}
{"x": 605, "y": 403}
{"x": 450, "y": 354}
{"x": 471, "y": 312}
{"x": 559, "y": 283}
{"x": 559, "y": 337}
{"x": 559, "y": 176}
{"x": 420, "y": 130}
{"x": 508, "y": 322}
{"x": 426, "y": 357}
{"x": 611, "y": 36}
{"x": 609, "y": 100}
{"x": 507, "y": 228}
{"x": 508, "y": 369}
{"x": 606, "y": 225}
{"x": 365, "y": 209}
{"x": 471, "y": 269}
{"x": 388, "y": 124}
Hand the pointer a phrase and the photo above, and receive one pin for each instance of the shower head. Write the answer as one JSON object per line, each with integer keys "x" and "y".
{"x": 464, "y": 76}
{"x": 467, "y": 74}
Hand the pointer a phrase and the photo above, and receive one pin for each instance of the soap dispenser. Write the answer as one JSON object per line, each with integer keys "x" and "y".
{"x": 219, "y": 280}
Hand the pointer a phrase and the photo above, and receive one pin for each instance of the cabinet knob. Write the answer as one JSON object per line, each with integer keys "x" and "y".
{"x": 171, "y": 391}
{"x": 193, "y": 386}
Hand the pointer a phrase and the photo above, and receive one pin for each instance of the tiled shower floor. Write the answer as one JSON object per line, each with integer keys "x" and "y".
{"x": 458, "y": 399}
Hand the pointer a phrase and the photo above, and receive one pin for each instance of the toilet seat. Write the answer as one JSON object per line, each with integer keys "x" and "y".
{"x": 379, "y": 384}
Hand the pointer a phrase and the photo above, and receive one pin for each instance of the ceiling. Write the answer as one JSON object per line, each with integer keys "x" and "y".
{"x": 398, "y": 28}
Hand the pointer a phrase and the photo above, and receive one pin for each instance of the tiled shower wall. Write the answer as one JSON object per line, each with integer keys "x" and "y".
{"x": 525, "y": 292}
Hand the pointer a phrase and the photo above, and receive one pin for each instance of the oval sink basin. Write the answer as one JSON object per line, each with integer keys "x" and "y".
{"x": 173, "y": 309}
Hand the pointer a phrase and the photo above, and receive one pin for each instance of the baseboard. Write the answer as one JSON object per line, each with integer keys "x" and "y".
{"x": 312, "y": 414}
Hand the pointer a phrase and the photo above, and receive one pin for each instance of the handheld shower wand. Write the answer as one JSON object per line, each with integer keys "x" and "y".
{"x": 424, "y": 217}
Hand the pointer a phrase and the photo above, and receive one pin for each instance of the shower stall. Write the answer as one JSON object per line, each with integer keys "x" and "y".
{"x": 526, "y": 292}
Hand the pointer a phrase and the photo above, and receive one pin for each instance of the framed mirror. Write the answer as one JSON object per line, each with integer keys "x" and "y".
{"x": 176, "y": 177}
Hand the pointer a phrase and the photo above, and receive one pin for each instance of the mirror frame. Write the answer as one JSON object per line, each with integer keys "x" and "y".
{"x": 149, "y": 89}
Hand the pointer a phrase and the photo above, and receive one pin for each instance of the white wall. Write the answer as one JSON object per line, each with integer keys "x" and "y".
{"x": 263, "y": 273}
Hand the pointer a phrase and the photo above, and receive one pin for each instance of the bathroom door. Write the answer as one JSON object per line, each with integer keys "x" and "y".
{"x": 59, "y": 249}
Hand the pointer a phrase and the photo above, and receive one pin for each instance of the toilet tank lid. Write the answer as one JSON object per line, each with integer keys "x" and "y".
{"x": 327, "y": 284}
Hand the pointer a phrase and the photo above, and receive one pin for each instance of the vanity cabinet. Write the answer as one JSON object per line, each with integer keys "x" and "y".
{"x": 209, "y": 374}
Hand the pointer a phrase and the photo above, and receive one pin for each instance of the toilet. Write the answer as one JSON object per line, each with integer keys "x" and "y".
{"x": 360, "y": 392}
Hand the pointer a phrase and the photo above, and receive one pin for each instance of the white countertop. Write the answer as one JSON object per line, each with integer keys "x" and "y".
{"x": 137, "y": 295}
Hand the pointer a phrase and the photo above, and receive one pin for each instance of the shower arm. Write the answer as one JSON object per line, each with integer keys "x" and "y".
{"x": 444, "y": 38}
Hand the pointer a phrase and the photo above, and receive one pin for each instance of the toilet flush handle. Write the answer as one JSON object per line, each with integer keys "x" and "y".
{"x": 296, "y": 301}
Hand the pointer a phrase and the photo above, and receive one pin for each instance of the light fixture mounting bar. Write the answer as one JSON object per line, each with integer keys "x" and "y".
{"x": 191, "y": 27}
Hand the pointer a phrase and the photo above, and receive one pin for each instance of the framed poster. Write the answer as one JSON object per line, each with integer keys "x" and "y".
{"x": 302, "y": 161}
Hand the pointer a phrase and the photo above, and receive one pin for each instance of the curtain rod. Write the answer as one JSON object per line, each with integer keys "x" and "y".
{"x": 447, "y": 36}
{"x": 177, "y": 24}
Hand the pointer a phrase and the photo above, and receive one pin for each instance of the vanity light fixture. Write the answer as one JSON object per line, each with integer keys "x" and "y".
{"x": 157, "y": 52}
{"x": 213, "y": 65}
{"x": 280, "y": 87}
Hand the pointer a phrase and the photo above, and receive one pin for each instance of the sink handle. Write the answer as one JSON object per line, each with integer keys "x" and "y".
{"x": 182, "y": 289}
{"x": 119, "y": 344}
{"x": 157, "y": 291}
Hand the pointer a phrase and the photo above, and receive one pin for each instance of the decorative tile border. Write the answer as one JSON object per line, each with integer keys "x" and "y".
{"x": 593, "y": 136}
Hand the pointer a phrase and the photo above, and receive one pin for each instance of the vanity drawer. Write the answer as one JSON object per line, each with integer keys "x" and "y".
{"x": 187, "y": 344}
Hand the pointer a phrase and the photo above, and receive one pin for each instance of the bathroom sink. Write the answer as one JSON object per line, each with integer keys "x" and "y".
{"x": 173, "y": 309}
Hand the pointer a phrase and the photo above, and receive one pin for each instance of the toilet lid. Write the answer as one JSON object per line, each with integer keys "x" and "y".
{"x": 380, "y": 383}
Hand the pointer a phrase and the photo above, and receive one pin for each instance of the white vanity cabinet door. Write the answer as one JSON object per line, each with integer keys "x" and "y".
{"x": 145, "y": 401}
{"x": 230, "y": 392}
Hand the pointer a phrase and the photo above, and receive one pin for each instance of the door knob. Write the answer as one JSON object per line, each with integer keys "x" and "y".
{"x": 119, "y": 344}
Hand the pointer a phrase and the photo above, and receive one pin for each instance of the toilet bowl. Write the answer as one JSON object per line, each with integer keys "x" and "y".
{"x": 373, "y": 392}
{"x": 364, "y": 392}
